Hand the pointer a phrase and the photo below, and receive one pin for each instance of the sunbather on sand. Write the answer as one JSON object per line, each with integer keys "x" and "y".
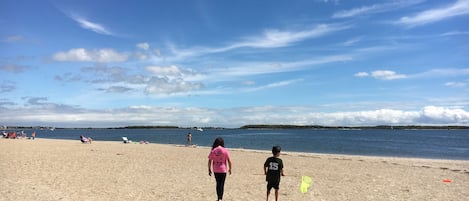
{"x": 84, "y": 139}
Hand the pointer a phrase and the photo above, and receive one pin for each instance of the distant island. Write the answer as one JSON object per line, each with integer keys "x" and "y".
{"x": 260, "y": 126}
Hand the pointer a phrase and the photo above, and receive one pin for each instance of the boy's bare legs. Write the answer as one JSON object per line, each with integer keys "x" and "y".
{"x": 276, "y": 195}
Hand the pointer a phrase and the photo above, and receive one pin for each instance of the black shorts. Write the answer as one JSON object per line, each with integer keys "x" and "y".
{"x": 274, "y": 185}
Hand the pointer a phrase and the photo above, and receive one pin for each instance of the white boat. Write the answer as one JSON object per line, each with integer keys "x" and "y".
{"x": 200, "y": 129}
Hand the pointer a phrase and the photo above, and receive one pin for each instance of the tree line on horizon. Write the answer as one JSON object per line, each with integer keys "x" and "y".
{"x": 268, "y": 126}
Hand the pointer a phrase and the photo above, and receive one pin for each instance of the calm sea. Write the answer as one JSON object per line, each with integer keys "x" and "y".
{"x": 437, "y": 144}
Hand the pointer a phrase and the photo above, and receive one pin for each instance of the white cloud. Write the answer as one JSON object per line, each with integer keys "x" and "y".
{"x": 382, "y": 75}
{"x": 331, "y": 1}
{"x": 174, "y": 72}
{"x": 61, "y": 115}
{"x": 352, "y": 41}
{"x": 444, "y": 72}
{"x": 13, "y": 68}
{"x": 249, "y": 82}
{"x": 117, "y": 89}
{"x": 83, "y": 55}
{"x": 441, "y": 115}
{"x": 455, "y": 33}
{"x": 164, "y": 85}
{"x": 361, "y": 74}
{"x": 387, "y": 75}
{"x": 276, "y": 38}
{"x": 15, "y": 38}
{"x": 143, "y": 46}
{"x": 455, "y": 84}
{"x": 273, "y": 85}
{"x": 92, "y": 26}
{"x": 6, "y": 87}
{"x": 171, "y": 80}
{"x": 372, "y": 117}
{"x": 268, "y": 39}
{"x": 141, "y": 56}
{"x": 165, "y": 71}
{"x": 376, "y": 8}
{"x": 356, "y": 11}
{"x": 460, "y": 7}
{"x": 158, "y": 81}
{"x": 258, "y": 68}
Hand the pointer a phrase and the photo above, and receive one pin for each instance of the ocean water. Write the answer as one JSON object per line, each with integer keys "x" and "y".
{"x": 436, "y": 144}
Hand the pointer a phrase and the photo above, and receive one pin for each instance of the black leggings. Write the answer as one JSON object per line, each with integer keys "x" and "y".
{"x": 220, "y": 177}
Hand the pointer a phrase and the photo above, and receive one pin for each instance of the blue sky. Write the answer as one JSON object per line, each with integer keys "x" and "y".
{"x": 231, "y": 63}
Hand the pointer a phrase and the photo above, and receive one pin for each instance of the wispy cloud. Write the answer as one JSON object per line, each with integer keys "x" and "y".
{"x": 116, "y": 89}
{"x": 455, "y": 33}
{"x": 352, "y": 41}
{"x": 173, "y": 71}
{"x": 40, "y": 104}
{"x": 277, "y": 38}
{"x": 391, "y": 75}
{"x": 272, "y": 38}
{"x": 387, "y": 75}
{"x": 98, "y": 28}
{"x": 68, "y": 77}
{"x": 6, "y": 87}
{"x": 382, "y": 75}
{"x": 273, "y": 85}
{"x": 460, "y": 7}
{"x": 13, "y": 68}
{"x": 356, "y": 11}
{"x": 143, "y": 46}
{"x": 164, "y": 85}
{"x": 6, "y": 102}
{"x": 258, "y": 68}
{"x": 174, "y": 80}
{"x": 456, "y": 84}
{"x": 171, "y": 80}
{"x": 375, "y": 8}
{"x": 84, "y": 55}
{"x": 14, "y": 38}
{"x": 443, "y": 72}
{"x": 361, "y": 74}
{"x": 155, "y": 80}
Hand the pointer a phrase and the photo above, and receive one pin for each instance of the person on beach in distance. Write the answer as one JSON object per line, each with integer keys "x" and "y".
{"x": 85, "y": 140}
{"x": 189, "y": 139}
{"x": 273, "y": 169}
{"x": 218, "y": 158}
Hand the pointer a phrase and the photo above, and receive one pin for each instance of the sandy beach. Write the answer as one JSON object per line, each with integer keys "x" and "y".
{"x": 45, "y": 169}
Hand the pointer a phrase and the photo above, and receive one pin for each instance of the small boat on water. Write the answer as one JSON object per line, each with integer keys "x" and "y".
{"x": 200, "y": 129}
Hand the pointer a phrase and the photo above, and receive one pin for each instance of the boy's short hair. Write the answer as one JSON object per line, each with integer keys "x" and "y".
{"x": 276, "y": 150}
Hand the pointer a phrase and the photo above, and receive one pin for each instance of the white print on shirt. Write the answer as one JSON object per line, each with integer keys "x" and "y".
{"x": 273, "y": 166}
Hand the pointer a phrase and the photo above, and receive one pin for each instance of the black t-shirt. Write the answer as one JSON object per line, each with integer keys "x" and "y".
{"x": 274, "y": 167}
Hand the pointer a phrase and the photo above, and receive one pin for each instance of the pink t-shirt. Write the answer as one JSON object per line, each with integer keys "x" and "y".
{"x": 219, "y": 156}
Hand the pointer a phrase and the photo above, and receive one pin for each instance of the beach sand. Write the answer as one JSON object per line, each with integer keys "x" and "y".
{"x": 45, "y": 169}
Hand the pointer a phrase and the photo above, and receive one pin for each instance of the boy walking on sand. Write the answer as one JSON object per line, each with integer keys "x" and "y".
{"x": 273, "y": 169}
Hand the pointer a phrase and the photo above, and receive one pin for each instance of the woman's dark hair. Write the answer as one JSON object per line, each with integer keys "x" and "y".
{"x": 218, "y": 142}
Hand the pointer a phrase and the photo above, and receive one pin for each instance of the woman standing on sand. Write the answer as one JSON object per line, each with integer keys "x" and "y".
{"x": 217, "y": 159}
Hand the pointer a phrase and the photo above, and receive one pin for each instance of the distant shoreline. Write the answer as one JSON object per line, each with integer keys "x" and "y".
{"x": 262, "y": 126}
